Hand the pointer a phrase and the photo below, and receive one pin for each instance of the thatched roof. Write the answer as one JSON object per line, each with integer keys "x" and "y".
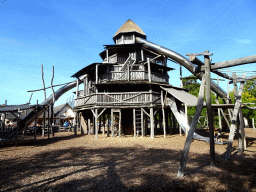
{"x": 129, "y": 26}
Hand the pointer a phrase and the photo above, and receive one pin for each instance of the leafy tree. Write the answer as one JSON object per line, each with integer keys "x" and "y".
{"x": 249, "y": 96}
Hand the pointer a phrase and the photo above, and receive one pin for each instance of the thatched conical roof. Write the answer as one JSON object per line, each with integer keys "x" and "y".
{"x": 129, "y": 26}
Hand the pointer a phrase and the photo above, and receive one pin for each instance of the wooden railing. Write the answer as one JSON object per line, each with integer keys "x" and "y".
{"x": 124, "y": 98}
{"x": 134, "y": 75}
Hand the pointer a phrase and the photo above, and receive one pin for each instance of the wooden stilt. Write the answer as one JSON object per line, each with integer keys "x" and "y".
{"x": 89, "y": 127}
{"x": 112, "y": 124}
{"x": 17, "y": 129}
{"x": 80, "y": 122}
{"x": 163, "y": 112}
{"x": 134, "y": 123}
{"x": 100, "y": 127}
{"x": 142, "y": 124}
{"x": 108, "y": 126}
{"x": 75, "y": 126}
{"x": 96, "y": 123}
{"x": 233, "y": 121}
{"x": 52, "y": 124}
{"x": 43, "y": 125}
{"x": 209, "y": 107}
{"x": 48, "y": 122}
{"x": 189, "y": 138}
{"x": 119, "y": 128}
{"x": 152, "y": 127}
{"x": 104, "y": 124}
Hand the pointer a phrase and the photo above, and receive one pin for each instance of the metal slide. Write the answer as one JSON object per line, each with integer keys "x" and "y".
{"x": 181, "y": 60}
{"x": 180, "y": 116}
{"x": 26, "y": 121}
{"x": 192, "y": 68}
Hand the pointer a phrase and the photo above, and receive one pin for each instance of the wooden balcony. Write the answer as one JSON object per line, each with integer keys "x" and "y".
{"x": 133, "y": 76}
{"x": 118, "y": 99}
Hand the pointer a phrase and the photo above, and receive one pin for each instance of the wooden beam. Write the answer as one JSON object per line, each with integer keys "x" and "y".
{"x": 163, "y": 112}
{"x": 195, "y": 60}
{"x": 209, "y": 107}
{"x": 145, "y": 112}
{"x": 119, "y": 127}
{"x": 152, "y": 127}
{"x": 96, "y": 123}
{"x": 149, "y": 70}
{"x": 198, "y": 54}
{"x": 232, "y": 63}
{"x": 142, "y": 124}
{"x": 108, "y": 126}
{"x": 97, "y": 74}
{"x": 233, "y": 121}
{"x": 134, "y": 122}
{"x": 184, "y": 157}
{"x": 112, "y": 123}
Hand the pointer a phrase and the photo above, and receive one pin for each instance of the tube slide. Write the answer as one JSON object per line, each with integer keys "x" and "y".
{"x": 192, "y": 68}
{"x": 181, "y": 60}
{"x": 183, "y": 121}
{"x": 26, "y": 121}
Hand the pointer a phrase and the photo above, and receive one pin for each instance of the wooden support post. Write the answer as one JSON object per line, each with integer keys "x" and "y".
{"x": 100, "y": 127}
{"x": 81, "y": 126}
{"x": 3, "y": 127}
{"x": 52, "y": 123}
{"x": 119, "y": 128}
{"x": 142, "y": 124}
{"x": 17, "y": 129}
{"x": 152, "y": 127}
{"x": 97, "y": 73}
{"x": 209, "y": 107}
{"x": 77, "y": 88}
{"x": 96, "y": 123}
{"x": 171, "y": 122}
{"x": 104, "y": 124}
{"x": 107, "y": 56}
{"x": 48, "y": 122}
{"x": 142, "y": 55}
{"x": 108, "y": 126}
{"x": 233, "y": 121}
{"x": 75, "y": 124}
{"x": 253, "y": 126}
{"x": 174, "y": 122}
{"x": 189, "y": 138}
{"x": 149, "y": 70}
{"x": 43, "y": 125}
{"x": 89, "y": 126}
{"x": 112, "y": 124}
{"x": 240, "y": 142}
{"x": 134, "y": 122}
{"x": 85, "y": 86}
{"x": 163, "y": 112}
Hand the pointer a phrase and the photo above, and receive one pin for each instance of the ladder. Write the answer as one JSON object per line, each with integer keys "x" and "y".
{"x": 137, "y": 121}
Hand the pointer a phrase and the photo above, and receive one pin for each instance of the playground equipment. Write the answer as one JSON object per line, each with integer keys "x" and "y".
{"x": 133, "y": 78}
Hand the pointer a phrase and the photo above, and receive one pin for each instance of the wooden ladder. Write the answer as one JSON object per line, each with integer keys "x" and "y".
{"x": 138, "y": 121}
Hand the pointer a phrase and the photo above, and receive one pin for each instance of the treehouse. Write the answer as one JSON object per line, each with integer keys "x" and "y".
{"x": 127, "y": 86}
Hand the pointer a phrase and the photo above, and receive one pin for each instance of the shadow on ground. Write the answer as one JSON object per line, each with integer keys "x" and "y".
{"x": 124, "y": 169}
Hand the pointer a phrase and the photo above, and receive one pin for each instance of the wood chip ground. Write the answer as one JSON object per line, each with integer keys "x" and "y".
{"x": 83, "y": 163}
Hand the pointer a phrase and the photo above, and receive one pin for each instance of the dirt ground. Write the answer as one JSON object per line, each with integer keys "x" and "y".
{"x": 84, "y": 163}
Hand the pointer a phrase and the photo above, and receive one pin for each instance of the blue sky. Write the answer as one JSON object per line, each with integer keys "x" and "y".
{"x": 70, "y": 34}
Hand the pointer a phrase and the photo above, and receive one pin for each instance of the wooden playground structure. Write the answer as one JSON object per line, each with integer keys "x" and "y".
{"x": 129, "y": 91}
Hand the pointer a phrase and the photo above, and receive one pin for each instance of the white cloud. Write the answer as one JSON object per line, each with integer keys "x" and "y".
{"x": 244, "y": 41}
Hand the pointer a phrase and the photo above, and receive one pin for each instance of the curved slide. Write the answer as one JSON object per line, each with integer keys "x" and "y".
{"x": 192, "y": 68}
{"x": 26, "y": 121}
{"x": 181, "y": 60}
